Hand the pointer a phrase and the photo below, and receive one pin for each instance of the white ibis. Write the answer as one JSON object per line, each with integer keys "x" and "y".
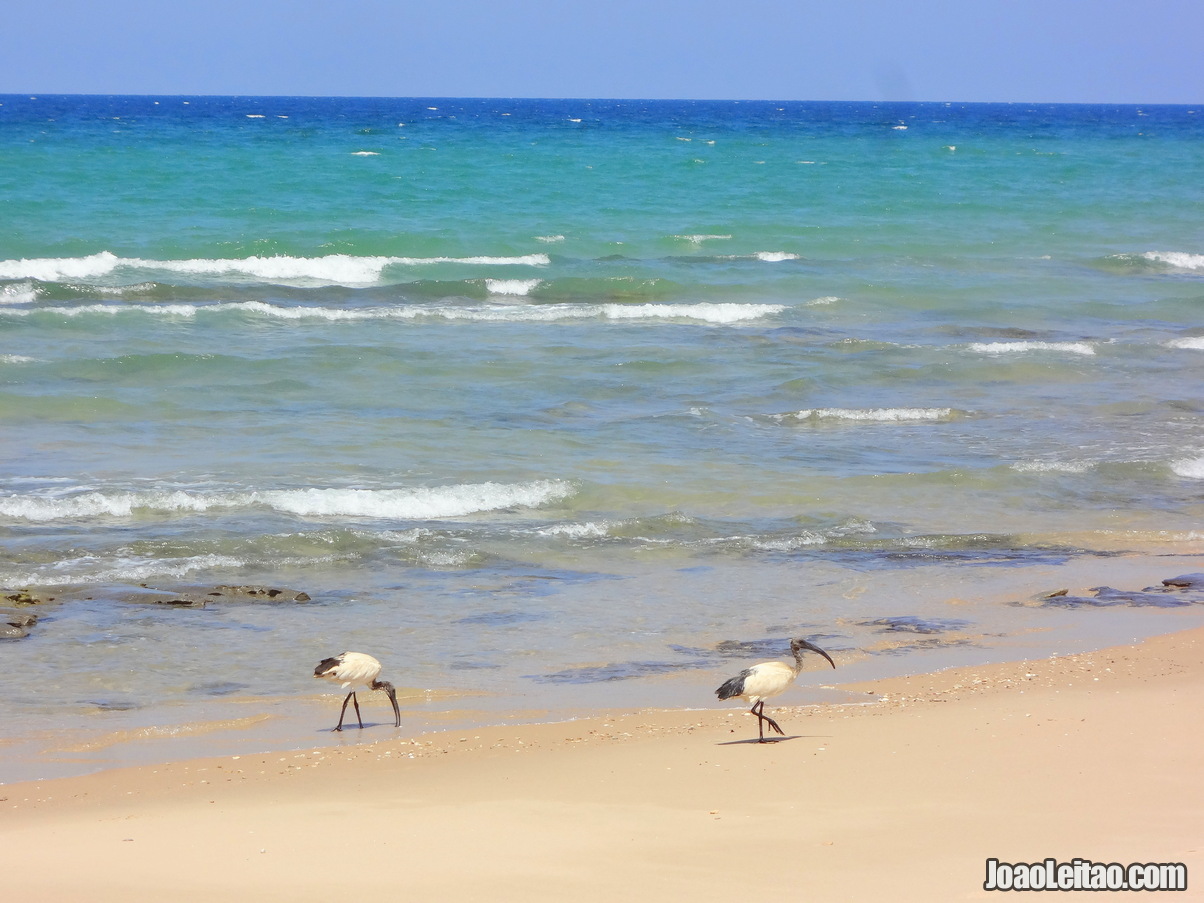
{"x": 356, "y": 669}
{"x": 761, "y": 681}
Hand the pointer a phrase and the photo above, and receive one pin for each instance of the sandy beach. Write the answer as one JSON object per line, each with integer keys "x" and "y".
{"x": 1093, "y": 755}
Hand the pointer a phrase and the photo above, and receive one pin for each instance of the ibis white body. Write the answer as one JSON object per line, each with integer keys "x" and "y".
{"x": 765, "y": 680}
{"x": 356, "y": 669}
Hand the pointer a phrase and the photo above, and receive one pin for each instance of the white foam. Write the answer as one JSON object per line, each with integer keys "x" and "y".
{"x": 775, "y": 256}
{"x": 365, "y": 153}
{"x": 15, "y": 359}
{"x": 121, "y": 570}
{"x": 511, "y": 286}
{"x": 869, "y": 415}
{"x": 707, "y": 312}
{"x": 1191, "y": 468}
{"x": 18, "y": 293}
{"x": 821, "y": 302}
{"x": 578, "y": 531}
{"x": 174, "y": 310}
{"x": 1052, "y": 466}
{"x": 417, "y": 503}
{"x": 699, "y": 239}
{"x": 717, "y": 313}
{"x": 1021, "y": 347}
{"x": 51, "y": 269}
{"x": 1178, "y": 259}
{"x": 549, "y": 239}
{"x": 1196, "y": 343}
{"x": 332, "y": 269}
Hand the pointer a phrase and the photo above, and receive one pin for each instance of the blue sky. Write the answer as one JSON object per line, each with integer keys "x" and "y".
{"x": 1122, "y": 51}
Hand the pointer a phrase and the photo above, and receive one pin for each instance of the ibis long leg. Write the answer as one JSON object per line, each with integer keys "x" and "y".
{"x": 343, "y": 711}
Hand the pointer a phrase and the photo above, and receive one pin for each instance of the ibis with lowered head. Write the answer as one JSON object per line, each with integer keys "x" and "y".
{"x": 356, "y": 669}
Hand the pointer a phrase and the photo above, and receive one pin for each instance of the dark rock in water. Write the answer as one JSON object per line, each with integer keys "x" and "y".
{"x": 147, "y": 596}
{"x": 18, "y": 618}
{"x": 1186, "y": 580}
{"x": 232, "y": 593}
{"x": 14, "y": 625}
{"x": 615, "y": 671}
{"x": 24, "y": 597}
{"x": 924, "y": 646}
{"x": 269, "y": 593}
{"x": 1169, "y": 595}
{"x": 913, "y": 624}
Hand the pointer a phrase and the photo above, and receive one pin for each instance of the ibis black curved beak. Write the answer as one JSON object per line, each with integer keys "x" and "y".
{"x": 396, "y": 711}
{"x": 815, "y": 648}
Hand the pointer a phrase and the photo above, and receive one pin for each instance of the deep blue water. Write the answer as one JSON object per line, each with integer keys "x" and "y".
{"x": 514, "y": 388}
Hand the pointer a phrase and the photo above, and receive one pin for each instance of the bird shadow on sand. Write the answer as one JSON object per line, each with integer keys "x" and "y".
{"x": 354, "y": 729}
{"x": 755, "y": 742}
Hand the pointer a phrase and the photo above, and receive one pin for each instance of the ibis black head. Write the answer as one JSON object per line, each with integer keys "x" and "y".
{"x": 799, "y": 644}
{"x": 392, "y": 693}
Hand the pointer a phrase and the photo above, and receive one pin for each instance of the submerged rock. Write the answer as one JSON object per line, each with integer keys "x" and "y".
{"x": 14, "y": 625}
{"x": 1174, "y": 592}
{"x": 236, "y": 593}
{"x": 271, "y": 593}
{"x": 25, "y": 597}
{"x": 1186, "y": 580}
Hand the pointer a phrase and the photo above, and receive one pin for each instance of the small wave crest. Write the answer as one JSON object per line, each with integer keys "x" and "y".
{"x": 1022, "y": 347}
{"x": 867, "y": 415}
{"x": 18, "y": 293}
{"x": 721, "y": 313}
{"x": 90, "y": 569}
{"x": 332, "y": 269}
{"x": 1052, "y": 466}
{"x": 1195, "y": 343}
{"x": 417, "y": 504}
{"x": 1191, "y": 468}
{"x": 699, "y": 239}
{"x": 1177, "y": 259}
{"x": 511, "y": 286}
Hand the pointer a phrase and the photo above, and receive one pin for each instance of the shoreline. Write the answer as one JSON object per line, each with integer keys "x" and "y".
{"x": 991, "y": 615}
{"x": 1092, "y": 755}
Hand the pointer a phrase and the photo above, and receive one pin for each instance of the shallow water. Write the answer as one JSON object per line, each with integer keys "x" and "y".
{"x": 542, "y": 401}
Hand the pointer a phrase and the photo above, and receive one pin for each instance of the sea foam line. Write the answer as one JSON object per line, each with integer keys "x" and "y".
{"x": 708, "y": 312}
{"x": 422, "y": 503}
{"x": 337, "y": 269}
{"x": 1178, "y": 259}
{"x": 1021, "y": 347}
{"x": 119, "y": 570}
{"x": 1191, "y": 468}
{"x": 868, "y": 415}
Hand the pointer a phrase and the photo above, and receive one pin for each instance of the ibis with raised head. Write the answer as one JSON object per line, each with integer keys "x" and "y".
{"x": 765, "y": 680}
{"x": 356, "y": 669}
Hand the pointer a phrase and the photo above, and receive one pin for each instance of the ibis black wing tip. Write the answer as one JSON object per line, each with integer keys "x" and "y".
{"x": 731, "y": 687}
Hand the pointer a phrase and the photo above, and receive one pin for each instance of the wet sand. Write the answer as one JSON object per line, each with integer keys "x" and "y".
{"x": 1094, "y": 755}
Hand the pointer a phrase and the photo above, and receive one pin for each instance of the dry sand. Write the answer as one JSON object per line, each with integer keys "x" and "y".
{"x": 1095, "y": 755}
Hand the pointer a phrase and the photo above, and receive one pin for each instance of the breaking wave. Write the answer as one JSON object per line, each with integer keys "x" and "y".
{"x": 718, "y": 312}
{"x": 1023, "y": 347}
{"x": 867, "y": 415}
{"x": 407, "y": 504}
{"x": 332, "y": 269}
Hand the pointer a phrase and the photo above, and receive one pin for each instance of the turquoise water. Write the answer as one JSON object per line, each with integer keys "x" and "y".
{"x": 536, "y": 396}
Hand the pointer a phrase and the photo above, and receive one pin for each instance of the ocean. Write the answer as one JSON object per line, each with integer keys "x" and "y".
{"x": 557, "y": 404}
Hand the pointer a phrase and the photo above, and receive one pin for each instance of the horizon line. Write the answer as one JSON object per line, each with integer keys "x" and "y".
{"x": 35, "y": 95}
